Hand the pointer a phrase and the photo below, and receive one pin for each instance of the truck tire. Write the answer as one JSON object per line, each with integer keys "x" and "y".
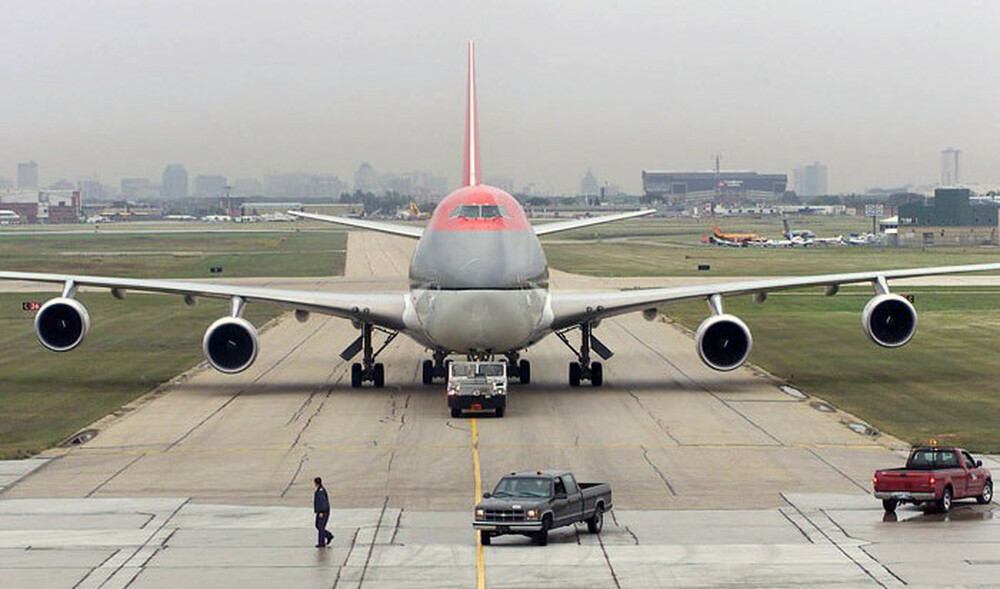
{"x": 889, "y": 505}
{"x": 542, "y": 536}
{"x": 944, "y": 503}
{"x": 499, "y": 411}
{"x": 596, "y": 522}
{"x": 485, "y": 537}
{"x": 987, "y": 495}
{"x": 456, "y": 412}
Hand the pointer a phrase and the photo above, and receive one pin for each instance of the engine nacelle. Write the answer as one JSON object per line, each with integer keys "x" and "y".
{"x": 230, "y": 344}
{"x": 61, "y": 324}
{"x": 889, "y": 320}
{"x": 724, "y": 342}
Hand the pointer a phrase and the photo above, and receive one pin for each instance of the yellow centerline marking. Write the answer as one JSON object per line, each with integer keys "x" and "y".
{"x": 478, "y": 490}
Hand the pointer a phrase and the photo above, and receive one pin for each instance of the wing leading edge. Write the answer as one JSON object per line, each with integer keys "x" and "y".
{"x": 560, "y": 226}
{"x": 574, "y": 308}
{"x": 390, "y": 228}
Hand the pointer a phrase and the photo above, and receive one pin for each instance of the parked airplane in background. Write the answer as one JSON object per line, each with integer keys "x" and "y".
{"x": 724, "y": 238}
{"x": 805, "y": 237}
{"x": 479, "y": 288}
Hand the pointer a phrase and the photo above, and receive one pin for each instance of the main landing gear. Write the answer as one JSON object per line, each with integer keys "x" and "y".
{"x": 583, "y": 368}
{"x": 519, "y": 369}
{"x": 367, "y": 370}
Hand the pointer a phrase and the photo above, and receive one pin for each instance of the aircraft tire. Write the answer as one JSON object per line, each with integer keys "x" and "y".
{"x": 379, "y": 375}
{"x": 428, "y": 370}
{"x": 524, "y": 371}
{"x": 355, "y": 376}
{"x": 574, "y": 374}
{"x": 596, "y": 374}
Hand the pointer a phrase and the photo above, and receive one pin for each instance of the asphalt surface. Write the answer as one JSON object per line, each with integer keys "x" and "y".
{"x": 719, "y": 479}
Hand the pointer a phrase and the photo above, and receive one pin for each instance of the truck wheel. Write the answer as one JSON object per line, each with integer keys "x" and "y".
{"x": 889, "y": 505}
{"x": 485, "y": 537}
{"x": 987, "y": 495}
{"x": 456, "y": 412}
{"x": 355, "y": 376}
{"x": 542, "y": 536}
{"x": 500, "y": 411}
{"x": 596, "y": 523}
{"x": 379, "y": 375}
{"x": 944, "y": 503}
{"x": 428, "y": 370}
{"x": 574, "y": 374}
{"x": 524, "y": 370}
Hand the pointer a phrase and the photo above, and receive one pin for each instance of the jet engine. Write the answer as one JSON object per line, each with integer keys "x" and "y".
{"x": 723, "y": 342}
{"x": 230, "y": 344}
{"x": 889, "y": 320}
{"x": 61, "y": 324}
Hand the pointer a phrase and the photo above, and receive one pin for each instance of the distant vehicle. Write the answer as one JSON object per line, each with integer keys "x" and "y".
{"x": 9, "y": 217}
{"x": 475, "y": 386}
{"x": 180, "y": 218}
{"x": 535, "y": 502}
{"x": 934, "y": 475}
{"x": 217, "y": 218}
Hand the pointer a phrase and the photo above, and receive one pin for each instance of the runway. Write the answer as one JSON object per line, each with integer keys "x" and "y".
{"x": 718, "y": 478}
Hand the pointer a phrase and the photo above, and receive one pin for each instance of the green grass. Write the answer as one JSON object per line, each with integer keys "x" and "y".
{"x": 178, "y": 255}
{"x": 133, "y": 346}
{"x": 942, "y": 385}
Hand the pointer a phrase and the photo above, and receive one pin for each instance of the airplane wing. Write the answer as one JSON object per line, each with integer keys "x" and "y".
{"x": 559, "y": 226}
{"x": 385, "y": 310}
{"x": 574, "y": 308}
{"x": 391, "y": 228}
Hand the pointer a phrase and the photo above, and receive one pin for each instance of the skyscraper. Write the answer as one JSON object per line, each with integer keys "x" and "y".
{"x": 810, "y": 179}
{"x": 949, "y": 166}
{"x": 175, "y": 182}
{"x": 27, "y": 175}
{"x": 209, "y": 185}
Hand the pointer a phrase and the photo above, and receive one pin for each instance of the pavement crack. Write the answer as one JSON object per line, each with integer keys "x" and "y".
{"x": 116, "y": 473}
{"x": 371, "y": 547}
{"x": 607, "y": 560}
{"x": 838, "y": 471}
{"x": 663, "y": 477}
{"x": 295, "y": 475}
{"x": 659, "y": 422}
{"x": 395, "y": 528}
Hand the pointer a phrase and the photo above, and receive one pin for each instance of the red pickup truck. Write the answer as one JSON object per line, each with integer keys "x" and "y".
{"x": 934, "y": 474}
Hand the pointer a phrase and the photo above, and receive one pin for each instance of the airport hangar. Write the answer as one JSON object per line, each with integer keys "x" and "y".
{"x": 948, "y": 218}
{"x": 731, "y": 186}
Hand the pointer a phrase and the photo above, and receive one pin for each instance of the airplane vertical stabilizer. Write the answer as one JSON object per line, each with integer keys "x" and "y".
{"x": 471, "y": 175}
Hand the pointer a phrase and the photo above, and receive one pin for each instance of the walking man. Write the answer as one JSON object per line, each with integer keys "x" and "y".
{"x": 321, "y": 506}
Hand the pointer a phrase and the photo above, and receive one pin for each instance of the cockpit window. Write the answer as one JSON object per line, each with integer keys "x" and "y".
{"x": 479, "y": 212}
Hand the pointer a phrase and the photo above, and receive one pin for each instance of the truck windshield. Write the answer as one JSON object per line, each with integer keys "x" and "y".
{"x": 929, "y": 459}
{"x": 490, "y": 370}
{"x": 522, "y": 487}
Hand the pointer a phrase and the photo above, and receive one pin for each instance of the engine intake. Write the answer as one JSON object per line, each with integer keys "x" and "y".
{"x": 724, "y": 342}
{"x": 61, "y": 324}
{"x": 889, "y": 320}
{"x": 230, "y": 344}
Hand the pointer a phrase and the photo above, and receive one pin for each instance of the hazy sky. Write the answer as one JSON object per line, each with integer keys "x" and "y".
{"x": 873, "y": 89}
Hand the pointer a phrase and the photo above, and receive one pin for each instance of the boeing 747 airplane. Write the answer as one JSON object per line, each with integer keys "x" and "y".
{"x": 479, "y": 289}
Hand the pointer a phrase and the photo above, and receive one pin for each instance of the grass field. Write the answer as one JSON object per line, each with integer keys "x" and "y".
{"x": 178, "y": 255}
{"x": 942, "y": 385}
{"x": 117, "y": 362}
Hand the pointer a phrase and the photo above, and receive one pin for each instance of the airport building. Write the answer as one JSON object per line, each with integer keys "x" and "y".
{"x": 948, "y": 218}
{"x": 810, "y": 180}
{"x": 718, "y": 186}
{"x": 43, "y": 206}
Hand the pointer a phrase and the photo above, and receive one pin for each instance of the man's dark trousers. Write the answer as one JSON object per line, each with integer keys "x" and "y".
{"x": 323, "y": 537}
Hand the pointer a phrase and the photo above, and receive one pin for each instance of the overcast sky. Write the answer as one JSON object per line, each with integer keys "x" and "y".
{"x": 873, "y": 89}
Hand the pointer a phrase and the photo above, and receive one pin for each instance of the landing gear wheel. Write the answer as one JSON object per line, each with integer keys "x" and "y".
{"x": 889, "y": 505}
{"x": 596, "y": 374}
{"x": 428, "y": 372}
{"x": 456, "y": 412}
{"x": 355, "y": 376}
{"x": 596, "y": 523}
{"x": 574, "y": 374}
{"x": 378, "y": 375}
{"x": 987, "y": 495}
{"x": 524, "y": 370}
{"x": 485, "y": 537}
{"x": 542, "y": 536}
{"x": 944, "y": 503}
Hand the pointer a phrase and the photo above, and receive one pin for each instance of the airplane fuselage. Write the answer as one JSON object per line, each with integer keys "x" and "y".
{"x": 478, "y": 277}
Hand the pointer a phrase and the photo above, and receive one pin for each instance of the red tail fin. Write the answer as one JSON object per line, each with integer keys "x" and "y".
{"x": 471, "y": 175}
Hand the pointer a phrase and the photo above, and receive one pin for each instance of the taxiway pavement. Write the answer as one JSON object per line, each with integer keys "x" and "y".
{"x": 718, "y": 479}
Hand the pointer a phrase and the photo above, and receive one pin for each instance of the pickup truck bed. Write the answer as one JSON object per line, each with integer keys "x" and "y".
{"x": 934, "y": 475}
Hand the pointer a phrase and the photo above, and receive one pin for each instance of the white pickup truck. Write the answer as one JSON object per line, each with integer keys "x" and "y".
{"x": 477, "y": 386}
